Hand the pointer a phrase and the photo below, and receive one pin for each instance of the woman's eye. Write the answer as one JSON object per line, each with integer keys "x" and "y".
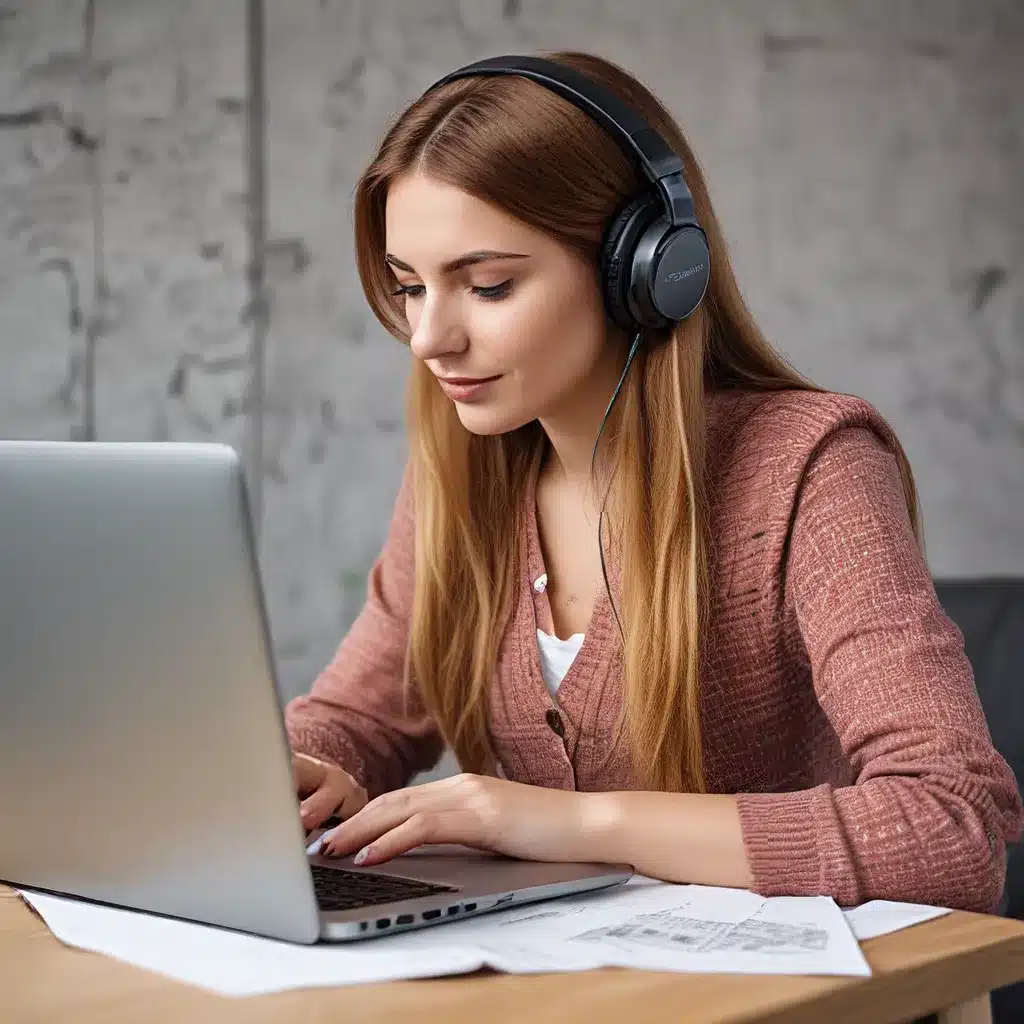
{"x": 492, "y": 293}
{"x": 413, "y": 291}
{"x": 497, "y": 291}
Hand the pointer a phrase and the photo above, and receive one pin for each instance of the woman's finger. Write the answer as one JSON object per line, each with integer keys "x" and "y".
{"x": 320, "y": 805}
{"x": 355, "y": 800}
{"x": 370, "y": 821}
{"x": 389, "y": 810}
{"x": 444, "y": 827}
{"x": 308, "y": 773}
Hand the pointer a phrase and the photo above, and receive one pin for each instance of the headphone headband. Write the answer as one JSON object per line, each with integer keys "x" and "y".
{"x": 659, "y": 164}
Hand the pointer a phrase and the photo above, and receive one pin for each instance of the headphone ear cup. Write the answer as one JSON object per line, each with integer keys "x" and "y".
{"x": 617, "y": 252}
{"x": 678, "y": 273}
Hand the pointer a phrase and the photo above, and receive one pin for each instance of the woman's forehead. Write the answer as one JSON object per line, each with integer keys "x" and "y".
{"x": 431, "y": 223}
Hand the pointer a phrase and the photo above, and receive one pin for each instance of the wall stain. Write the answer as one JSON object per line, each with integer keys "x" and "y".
{"x": 78, "y": 138}
{"x": 190, "y": 362}
{"x": 932, "y": 51}
{"x": 92, "y": 74}
{"x": 985, "y": 283}
{"x": 287, "y": 257}
{"x": 350, "y": 80}
{"x": 230, "y": 104}
{"x": 317, "y": 447}
{"x": 74, "y": 68}
{"x": 257, "y": 311}
{"x": 775, "y": 46}
{"x": 65, "y": 395}
{"x": 31, "y": 116}
{"x": 63, "y": 266}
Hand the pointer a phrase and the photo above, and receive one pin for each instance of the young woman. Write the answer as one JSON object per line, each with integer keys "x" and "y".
{"x": 663, "y": 597}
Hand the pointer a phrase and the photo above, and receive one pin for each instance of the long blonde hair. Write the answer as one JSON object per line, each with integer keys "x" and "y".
{"x": 515, "y": 145}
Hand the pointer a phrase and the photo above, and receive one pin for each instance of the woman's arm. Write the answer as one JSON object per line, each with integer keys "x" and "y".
{"x": 357, "y": 715}
{"x": 694, "y": 838}
{"x": 933, "y": 804}
{"x": 674, "y": 836}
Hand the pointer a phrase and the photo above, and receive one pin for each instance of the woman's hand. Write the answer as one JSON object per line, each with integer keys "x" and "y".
{"x": 529, "y": 822}
{"x": 326, "y": 789}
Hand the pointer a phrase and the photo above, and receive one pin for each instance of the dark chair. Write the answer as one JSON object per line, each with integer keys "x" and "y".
{"x": 990, "y": 614}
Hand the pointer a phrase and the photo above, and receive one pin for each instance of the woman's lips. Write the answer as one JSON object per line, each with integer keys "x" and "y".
{"x": 465, "y": 389}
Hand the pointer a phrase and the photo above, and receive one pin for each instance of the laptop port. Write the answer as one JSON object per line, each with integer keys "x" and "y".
{"x": 470, "y": 906}
{"x": 430, "y": 915}
{"x": 362, "y": 926}
{"x": 404, "y": 919}
{"x": 383, "y": 922}
{"x": 452, "y": 911}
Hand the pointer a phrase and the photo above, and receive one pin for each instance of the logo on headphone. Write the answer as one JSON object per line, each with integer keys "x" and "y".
{"x": 681, "y": 275}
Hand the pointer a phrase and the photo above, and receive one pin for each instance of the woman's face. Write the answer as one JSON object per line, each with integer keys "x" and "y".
{"x": 490, "y": 298}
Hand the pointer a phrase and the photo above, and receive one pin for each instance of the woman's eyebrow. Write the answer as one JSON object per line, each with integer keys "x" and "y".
{"x": 465, "y": 260}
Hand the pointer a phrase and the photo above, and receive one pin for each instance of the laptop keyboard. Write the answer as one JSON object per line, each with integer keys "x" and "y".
{"x": 338, "y": 889}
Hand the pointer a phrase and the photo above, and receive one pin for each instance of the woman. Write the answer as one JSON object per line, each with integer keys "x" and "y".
{"x": 663, "y": 597}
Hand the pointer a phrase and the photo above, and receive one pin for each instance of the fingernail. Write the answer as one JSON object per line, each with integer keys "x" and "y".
{"x": 316, "y": 846}
{"x": 361, "y": 855}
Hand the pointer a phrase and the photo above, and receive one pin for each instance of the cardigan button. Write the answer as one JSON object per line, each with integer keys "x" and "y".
{"x": 540, "y": 584}
{"x": 554, "y": 720}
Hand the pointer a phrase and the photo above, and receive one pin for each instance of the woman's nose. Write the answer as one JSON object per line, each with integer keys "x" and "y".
{"x": 436, "y": 333}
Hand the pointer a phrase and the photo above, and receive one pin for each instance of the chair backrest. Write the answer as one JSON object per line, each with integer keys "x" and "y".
{"x": 990, "y": 614}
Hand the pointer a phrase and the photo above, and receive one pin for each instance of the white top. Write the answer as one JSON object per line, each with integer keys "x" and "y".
{"x": 556, "y": 656}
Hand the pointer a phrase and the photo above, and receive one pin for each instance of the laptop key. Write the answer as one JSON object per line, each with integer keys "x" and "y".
{"x": 338, "y": 889}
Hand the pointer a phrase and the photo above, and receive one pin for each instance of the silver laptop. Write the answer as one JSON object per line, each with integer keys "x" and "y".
{"x": 143, "y": 757}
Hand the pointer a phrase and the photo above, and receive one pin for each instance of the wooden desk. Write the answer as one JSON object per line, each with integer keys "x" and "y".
{"x": 949, "y": 962}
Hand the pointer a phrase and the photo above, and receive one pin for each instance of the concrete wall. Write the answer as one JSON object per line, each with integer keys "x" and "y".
{"x": 865, "y": 156}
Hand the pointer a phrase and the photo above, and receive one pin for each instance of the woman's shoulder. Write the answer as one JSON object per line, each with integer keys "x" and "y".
{"x": 794, "y": 419}
{"x": 762, "y": 443}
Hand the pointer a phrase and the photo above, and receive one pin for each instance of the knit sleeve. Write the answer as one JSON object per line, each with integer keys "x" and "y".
{"x": 358, "y": 713}
{"x": 932, "y": 804}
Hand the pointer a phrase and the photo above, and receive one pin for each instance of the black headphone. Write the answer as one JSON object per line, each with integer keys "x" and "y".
{"x": 655, "y": 262}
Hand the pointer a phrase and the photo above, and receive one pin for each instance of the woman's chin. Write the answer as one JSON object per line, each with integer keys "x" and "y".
{"x": 489, "y": 422}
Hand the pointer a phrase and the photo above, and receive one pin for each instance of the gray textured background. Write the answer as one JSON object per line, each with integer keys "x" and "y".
{"x": 865, "y": 157}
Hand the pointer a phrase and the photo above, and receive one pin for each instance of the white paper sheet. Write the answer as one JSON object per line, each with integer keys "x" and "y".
{"x": 643, "y": 924}
{"x": 231, "y": 963}
{"x": 655, "y": 926}
{"x": 879, "y": 917}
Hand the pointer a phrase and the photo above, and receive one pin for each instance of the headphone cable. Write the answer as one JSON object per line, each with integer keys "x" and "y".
{"x": 632, "y": 352}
